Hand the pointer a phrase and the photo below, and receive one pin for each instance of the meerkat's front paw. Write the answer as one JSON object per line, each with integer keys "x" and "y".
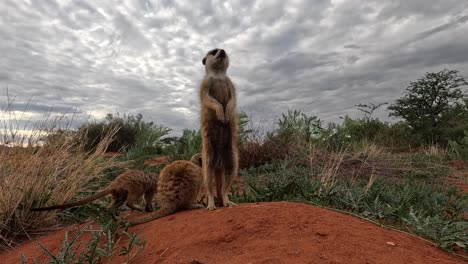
{"x": 220, "y": 115}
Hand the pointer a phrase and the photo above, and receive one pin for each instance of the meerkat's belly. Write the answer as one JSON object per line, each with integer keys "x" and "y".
{"x": 220, "y": 91}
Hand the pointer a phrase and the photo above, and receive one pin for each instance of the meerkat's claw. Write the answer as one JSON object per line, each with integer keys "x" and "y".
{"x": 229, "y": 204}
{"x": 211, "y": 208}
{"x": 211, "y": 204}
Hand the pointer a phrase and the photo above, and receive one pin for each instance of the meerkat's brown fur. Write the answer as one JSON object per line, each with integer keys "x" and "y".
{"x": 219, "y": 128}
{"x": 127, "y": 188}
{"x": 179, "y": 185}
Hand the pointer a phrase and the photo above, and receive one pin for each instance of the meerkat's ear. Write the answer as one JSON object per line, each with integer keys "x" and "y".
{"x": 204, "y": 61}
{"x": 200, "y": 160}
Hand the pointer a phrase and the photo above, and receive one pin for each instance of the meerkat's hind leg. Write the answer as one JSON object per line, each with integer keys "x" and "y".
{"x": 149, "y": 194}
{"x": 226, "y": 201}
{"x": 114, "y": 208}
{"x": 229, "y": 175}
{"x": 209, "y": 180}
{"x": 211, "y": 203}
{"x": 120, "y": 197}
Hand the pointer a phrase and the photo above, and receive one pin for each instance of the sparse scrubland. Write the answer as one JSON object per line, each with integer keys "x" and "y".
{"x": 395, "y": 174}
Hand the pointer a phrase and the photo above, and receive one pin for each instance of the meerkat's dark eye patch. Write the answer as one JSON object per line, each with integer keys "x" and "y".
{"x": 213, "y": 52}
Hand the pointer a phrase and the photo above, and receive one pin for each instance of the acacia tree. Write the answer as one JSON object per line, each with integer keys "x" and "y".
{"x": 429, "y": 103}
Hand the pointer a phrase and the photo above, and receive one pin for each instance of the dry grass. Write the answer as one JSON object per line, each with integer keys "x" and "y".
{"x": 52, "y": 172}
{"x": 434, "y": 150}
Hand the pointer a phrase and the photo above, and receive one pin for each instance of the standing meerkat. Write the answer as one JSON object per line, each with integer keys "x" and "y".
{"x": 179, "y": 185}
{"x": 218, "y": 123}
{"x": 127, "y": 188}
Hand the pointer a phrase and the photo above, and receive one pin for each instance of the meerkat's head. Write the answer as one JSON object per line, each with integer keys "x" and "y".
{"x": 197, "y": 159}
{"x": 216, "y": 60}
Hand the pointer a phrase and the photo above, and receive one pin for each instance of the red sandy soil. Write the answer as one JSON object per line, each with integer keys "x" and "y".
{"x": 460, "y": 183}
{"x": 280, "y": 232}
{"x": 459, "y": 164}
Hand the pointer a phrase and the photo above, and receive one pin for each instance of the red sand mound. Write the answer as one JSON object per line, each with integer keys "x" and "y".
{"x": 280, "y": 232}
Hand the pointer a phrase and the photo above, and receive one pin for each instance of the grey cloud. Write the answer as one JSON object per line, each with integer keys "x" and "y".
{"x": 42, "y": 108}
{"x": 456, "y": 22}
{"x": 295, "y": 62}
{"x": 145, "y": 56}
{"x": 402, "y": 9}
{"x": 455, "y": 51}
{"x": 130, "y": 35}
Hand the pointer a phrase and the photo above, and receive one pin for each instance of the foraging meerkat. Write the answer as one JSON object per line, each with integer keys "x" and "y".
{"x": 218, "y": 127}
{"x": 179, "y": 185}
{"x": 127, "y": 188}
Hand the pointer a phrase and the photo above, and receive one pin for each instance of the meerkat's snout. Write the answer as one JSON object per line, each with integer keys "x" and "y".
{"x": 221, "y": 54}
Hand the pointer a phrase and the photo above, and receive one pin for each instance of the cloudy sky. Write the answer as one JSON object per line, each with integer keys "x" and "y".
{"x": 144, "y": 56}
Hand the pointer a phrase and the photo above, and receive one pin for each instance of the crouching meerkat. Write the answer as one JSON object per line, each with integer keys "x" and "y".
{"x": 127, "y": 188}
{"x": 218, "y": 123}
{"x": 179, "y": 185}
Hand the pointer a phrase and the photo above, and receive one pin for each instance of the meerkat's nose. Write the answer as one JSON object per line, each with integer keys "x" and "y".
{"x": 222, "y": 53}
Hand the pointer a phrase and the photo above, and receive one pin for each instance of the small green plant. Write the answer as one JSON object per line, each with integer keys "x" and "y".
{"x": 104, "y": 243}
{"x": 446, "y": 233}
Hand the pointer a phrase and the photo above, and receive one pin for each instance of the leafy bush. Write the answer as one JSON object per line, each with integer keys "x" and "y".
{"x": 297, "y": 127}
{"x": 185, "y": 146}
{"x": 245, "y": 132}
{"x": 128, "y": 132}
{"x": 148, "y": 140}
{"x": 431, "y": 102}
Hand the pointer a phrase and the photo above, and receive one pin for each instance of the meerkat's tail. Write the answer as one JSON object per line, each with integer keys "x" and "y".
{"x": 165, "y": 211}
{"x": 219, "y": 178}
{"x": 77, "y": 203}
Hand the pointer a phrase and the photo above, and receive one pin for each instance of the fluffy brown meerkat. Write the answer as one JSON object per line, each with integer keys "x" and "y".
{"x": 179, "y": 185}
{"x": 127, "y": 188}
{"x": 219, "y": 128}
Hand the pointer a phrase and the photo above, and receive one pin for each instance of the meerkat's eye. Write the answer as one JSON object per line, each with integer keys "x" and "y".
{"x": 213, "y": 52}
